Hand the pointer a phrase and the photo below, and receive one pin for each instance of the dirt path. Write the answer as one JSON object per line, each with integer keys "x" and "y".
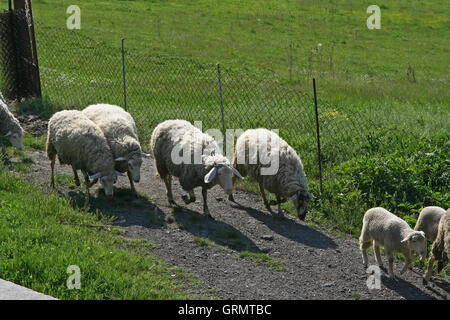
{"x": 315, "y": 265}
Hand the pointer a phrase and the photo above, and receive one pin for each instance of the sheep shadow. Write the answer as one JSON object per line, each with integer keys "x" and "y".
{"x": 217, "y": 231}
{"x": 124, "y": 209}
{"x": 290, "y": 229}
{"x": 406, "y": 289}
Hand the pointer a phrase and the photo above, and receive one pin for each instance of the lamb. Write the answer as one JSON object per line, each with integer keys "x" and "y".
{"x": 77, "y": 141}
{"x": 428, "y": 222}
{"x": 285, "y": 176}
{"x": 383, "y": 228}
{"x": 182, "y": 150}
{"x": 10, "y": 127}
{"x": 120, "y": 131}
{"x": 440, "y": 250}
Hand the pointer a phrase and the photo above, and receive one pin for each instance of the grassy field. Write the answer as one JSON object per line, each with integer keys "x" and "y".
{"x": 383, "y": 94}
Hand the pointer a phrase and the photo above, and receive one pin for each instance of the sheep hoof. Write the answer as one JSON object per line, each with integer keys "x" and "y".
{"x": 231, "y": 198}
{"x": 187, "y": 200}
{"x": 424, "y": 281}
{"x": 172, "y": 203}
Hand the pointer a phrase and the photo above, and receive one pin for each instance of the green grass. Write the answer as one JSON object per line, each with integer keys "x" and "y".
{"x": 42, "y": 235}
{"x": 377, "y": 124}
{"x": 263, "y": 259}
{"x": 204, "y": 242}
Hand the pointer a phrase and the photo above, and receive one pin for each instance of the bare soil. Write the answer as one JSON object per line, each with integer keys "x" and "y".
{"x": 315, "y": 264}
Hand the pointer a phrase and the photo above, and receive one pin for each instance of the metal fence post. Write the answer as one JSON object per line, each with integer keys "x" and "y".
{"x": 221, "y": 108}
{"x": 318, "y": 137}
{"x": 124, "y": 78}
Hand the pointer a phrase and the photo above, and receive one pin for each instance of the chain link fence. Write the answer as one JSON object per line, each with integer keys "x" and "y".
{"x": 77, "y": 71}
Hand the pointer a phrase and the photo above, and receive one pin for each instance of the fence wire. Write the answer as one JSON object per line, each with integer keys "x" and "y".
{"x": 77, "y": 71}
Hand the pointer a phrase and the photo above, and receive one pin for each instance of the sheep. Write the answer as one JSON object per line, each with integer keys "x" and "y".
{"x": 77, "y": 141}
{"x": 440, "y": 249}
{"x": 10, "y": 127}
{"x": 120, "y": 131}
{"x": 428, "y": 222}
{"x": 383, "y": 228}
{"x": 287, "y": 180}
{"x": 182, "y": 150}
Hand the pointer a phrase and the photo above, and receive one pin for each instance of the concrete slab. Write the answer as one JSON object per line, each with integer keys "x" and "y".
{"x": 12, "y": 291}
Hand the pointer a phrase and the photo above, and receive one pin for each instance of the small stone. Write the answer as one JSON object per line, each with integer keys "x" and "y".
{"x": 267, "y": 237}
{"x": 328, "y": 284}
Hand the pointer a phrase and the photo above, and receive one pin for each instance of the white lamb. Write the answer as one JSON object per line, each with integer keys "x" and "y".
{"x": 383, "y": 228}
{"x": 119, "y": 128}
{"x": 182, "y": 150}
{"x": 77, "y": 141}
{"x": 428, "y": 222}
{"x": 10, "y": 127}
{"x": 275, "y": 165}
{"x": 440, "y": 250}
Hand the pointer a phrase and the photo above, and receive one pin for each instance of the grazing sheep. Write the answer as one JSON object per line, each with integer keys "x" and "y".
{"x": 10, "y": 127}
{"x": 440, "y": 250}
{"x": 182, "y": 150}
{"x": 383, "y": 228}
{"x": 120, "y": 131}
{"x": 253, "y": 150}
{"x": 428, "y": 222}
{"x": 77, "y": 141}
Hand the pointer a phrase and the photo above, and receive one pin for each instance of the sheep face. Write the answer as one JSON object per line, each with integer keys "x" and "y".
{"x": 107, "y": 182}
{"x": 134, "y": 168}
{"x": 301, "y": 200}
{"x": 416, "y": 242}
{"x": 15, "y": 139}
{"x": 222, "y": 175}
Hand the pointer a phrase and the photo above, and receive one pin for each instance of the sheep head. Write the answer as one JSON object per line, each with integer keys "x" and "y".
{"x": 222, "y": 174}
{"x": 301, "y": 199}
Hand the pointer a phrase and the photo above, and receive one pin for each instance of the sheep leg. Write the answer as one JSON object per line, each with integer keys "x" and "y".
{"x": 407, "y": 264}
{"x": 52, "y": 178}
{"x": 205, "y": 204}
{"x": 168, "y": 182}
{"x": 376, "y": 249}
{"x": 191, "y": 197}
{"x": 391, "y": 264}
{"x": 266, "y": 203}
{"x": 92, "y": 182}
{"x": 86, "y": 181}
{"x": 133, "y": 189}
{"x": 429, "y": 272}
{"x": 280, "y": 211}
{"x": 364, "y": 246}
{"x": 77, "y": 179}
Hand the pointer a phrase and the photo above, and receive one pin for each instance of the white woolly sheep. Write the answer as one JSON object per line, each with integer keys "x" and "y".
{"x": 182, "y": 150}
{"x": 275, "y": 165}
{"x": 10, "y": 127}
{"x": 77, "y": 141}
{"x": 383, "y": 228}
{"x": 119, "y": 128}
{"x": 440, "y": 250}
{"x": 428, "y": 222}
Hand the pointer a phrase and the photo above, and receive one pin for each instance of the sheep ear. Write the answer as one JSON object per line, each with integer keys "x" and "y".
{"x": 236, "y": 173}
{"x": 210, "y": 175}
{"x": 145, "y": 155}
{"x": 95, "y": 176}
{"x": 406, "y": 239}
{"x": 294, "y": 197}
{"x": 8, "y": 134}
{"x": 120, "y": 159}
